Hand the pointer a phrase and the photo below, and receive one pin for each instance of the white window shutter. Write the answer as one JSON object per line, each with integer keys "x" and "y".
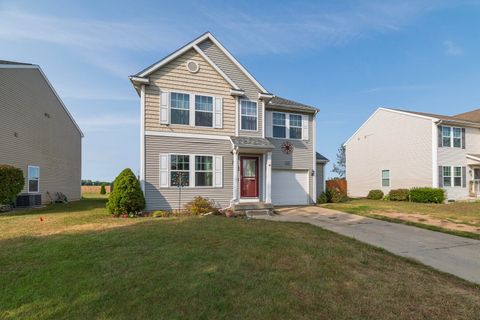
{"x": 269, "y": 124}
{"x": 218, "y": 112}
{"x": 218, "y": 175}
{"x": 163, "y": 172}
{"x": 164, "y": 107}
{"x": 304, "y": 127}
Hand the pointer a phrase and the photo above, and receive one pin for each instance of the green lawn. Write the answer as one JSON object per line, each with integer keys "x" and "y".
{"x": 79, "y": 263}
{"x": 466, "y": 214}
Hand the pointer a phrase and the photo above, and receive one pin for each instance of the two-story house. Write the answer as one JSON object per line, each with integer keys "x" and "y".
{"x": 209, "y": 128}
{"x": 404, "y": 149}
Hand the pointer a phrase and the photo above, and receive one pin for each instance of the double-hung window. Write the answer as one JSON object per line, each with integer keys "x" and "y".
{"x": 295, "y": 126}
{"x": 447, "y": 176}
{"x": 180, "y": 108}
{"x": 385, "y": 178}
{"x": 203, "y": 111}
{"x": 457, "y": 176}
{"x": 447, "y": 136}
{"x": 179, "y": 170}
{"x": 279, "y": 125}
{"x": 203, "y": 171}
{"x": 457, "y": 137}
{"x": 33, "y": 179}
{"x": 248, "y": 115}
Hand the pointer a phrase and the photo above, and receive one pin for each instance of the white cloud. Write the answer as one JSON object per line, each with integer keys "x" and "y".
{"x": 452, "y": 49}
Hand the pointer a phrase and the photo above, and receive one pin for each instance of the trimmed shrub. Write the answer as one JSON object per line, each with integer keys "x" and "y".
{"x": 427, "y": 195}
{"x": 102, "y": 189}
{"x": 11, "y": 184}
{"x": 375, "y": 194}
{"x": 399, "y": 195}
{"x": 127, "y": 197}
{"x": 322, "y": 198}
{"x": 200, "y": 205}
{"x": 331, "y": 196}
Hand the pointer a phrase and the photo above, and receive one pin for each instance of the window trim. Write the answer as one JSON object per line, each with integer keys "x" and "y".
{"x": 189, "y": 108}
{"x": 192, "y": 170}
{"x": 195, "y": 110}
{"x": 170, "y": 170}
{"x": 287, "y": 131}
{"x": 389, "y": 178}
{"x": 28, "y": 179}
{"x": 256, "y": 103}
{"x": 452, "y": 137}
{"x": 450, "y": 176}
{"x": 287, "y": 125}
{"x": 454, "y": 176}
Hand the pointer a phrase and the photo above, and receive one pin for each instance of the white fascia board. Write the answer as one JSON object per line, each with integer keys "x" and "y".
{"x": 239, "y": 93}
{"x": 204, "y": 56}
{"x": 265, "y": 96}
{"x": 469, "y": 156}
{"x": 186, "y": 135}
{"x": 393, "y": 111}
{"x": 139, "y": 80}
{"x": 19, "y": 66}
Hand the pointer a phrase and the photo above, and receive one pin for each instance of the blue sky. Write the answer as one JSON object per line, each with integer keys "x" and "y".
{"x": 345, "y": 57}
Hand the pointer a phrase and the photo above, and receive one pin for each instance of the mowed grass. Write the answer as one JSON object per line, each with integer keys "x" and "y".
{"x": 80, "y": 263}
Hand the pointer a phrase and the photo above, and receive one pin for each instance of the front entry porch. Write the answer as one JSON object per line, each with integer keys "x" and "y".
{"x": 473, "y": 161}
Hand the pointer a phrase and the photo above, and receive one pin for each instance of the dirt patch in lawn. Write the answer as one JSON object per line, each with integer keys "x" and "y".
{"x": 426, "y": 219}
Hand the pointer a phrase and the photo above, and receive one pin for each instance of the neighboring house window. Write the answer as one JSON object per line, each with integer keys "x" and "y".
{"x": 33, "y": 179}
{"x": 447, "y": 176}
{"x": 203, "y": 111}
{"x": 295, "y": 126}
{"x": 457, "y": 137}
{"x": 447, "y": 136}
{"x": 279, "y": 125}
{"x": 248, "y": 115}
{"x": 203, "y": 171}
{"x": 457, "y": 176}
{"x": 179, "y": 170}
{"x": 385, "y": 178}
{"x": 180, "y": 108}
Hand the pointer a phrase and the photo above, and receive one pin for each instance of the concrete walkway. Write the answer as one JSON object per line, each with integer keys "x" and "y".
{"x": 456, "y": 255}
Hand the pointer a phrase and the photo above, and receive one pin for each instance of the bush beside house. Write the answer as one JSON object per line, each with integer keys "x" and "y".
{"x": 427, "y": 195}
{"x": 127, "y": 197}
{"x": 399, "y": 195}
{"x": 11, "y": 184}
{"x": 375, "y": 194}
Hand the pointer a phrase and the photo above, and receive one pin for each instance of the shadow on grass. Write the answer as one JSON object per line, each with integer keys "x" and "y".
{"x": 74, "y": 206}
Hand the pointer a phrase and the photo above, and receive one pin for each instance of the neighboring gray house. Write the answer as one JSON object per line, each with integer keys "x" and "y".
{"x": 404, "y": 149}
{"x": 209, "y": 125}
{"x": 38, "y": 135}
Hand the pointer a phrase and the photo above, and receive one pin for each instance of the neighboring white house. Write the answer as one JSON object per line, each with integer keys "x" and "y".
{"x": 404, "y": 149}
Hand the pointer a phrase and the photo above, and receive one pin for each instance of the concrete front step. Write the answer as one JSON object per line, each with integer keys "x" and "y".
{"x": 252, "y": 209}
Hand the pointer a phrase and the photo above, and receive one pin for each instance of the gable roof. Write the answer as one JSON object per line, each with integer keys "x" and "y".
{"x": 20, "y": 65}
{"x": 473, "y": 115}
{"x": 194, "y": 45}
{"x": 287, "y": 103}
{"x": 320, "y": 158}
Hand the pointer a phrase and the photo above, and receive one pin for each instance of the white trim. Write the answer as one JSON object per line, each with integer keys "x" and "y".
{"x": 34, "y": 66}
{"x": 469, "y": 156}
{"x": 435, "y": 182}
{"x": 192, "y": 108}
{"x": 268, "y": 178}
{"x": 389, "y": 110}
{"x": 452, "y": 137}
{"x": 191, "y": 45}
{"x": 139, "y": 80}
{"x": 197, "y": 66}
{"x": 236, "y": 175}
{"x": 287, "y": 126}
{"x": 142, "y": 138}
{"x": 314, "y": 166}
{"x": 235, "y": 93}
{"x": 267, "y": 96}
{"x": 28, "y": 179}
{"x": 240, "y": 104}
{"x": 214, "y": 66}
{"x": 263, "y": 122}
{"x": 389, "y": 179}
{"x": 237, "y": 110}
{"x": 192, "y": 170}
{"x": 186, "y": 135}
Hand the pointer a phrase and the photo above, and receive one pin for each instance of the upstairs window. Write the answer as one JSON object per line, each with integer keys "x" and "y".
{"x": 33, "y": 179}
{"x": 248, "y": 115}
{"x": 180, "y": 108}
{"x": 447, "y": 176}
{"x": 203, "y": 171}
{"x": 203, "y": 111}
{"x": 279, "y": 125}
{"x": 457, "y": 137}
{"x": 179, "y": 170}
{"x": 295, "y": 126}
{"x": 385, "y": 178}
{"x": 447, "y": 136}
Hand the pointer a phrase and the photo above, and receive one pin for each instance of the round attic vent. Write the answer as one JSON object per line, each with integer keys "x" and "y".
{"x": 192, "y": 66}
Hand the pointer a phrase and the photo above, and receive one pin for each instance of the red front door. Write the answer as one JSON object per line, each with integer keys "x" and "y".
{"x": 249, "y": 177}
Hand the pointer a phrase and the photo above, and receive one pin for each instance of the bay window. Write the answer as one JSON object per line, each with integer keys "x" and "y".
{"x": 180, "y": 108}
{"x": 248, "y": 115}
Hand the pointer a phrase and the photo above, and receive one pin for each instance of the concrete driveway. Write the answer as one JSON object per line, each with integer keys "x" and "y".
{"x": 456, "y": 255}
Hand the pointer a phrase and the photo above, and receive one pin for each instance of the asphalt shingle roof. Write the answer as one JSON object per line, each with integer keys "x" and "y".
{"x": 463, "y": 118}
{"x": 321, "y": 157}
{"x": 14, "y": 62}
{"x": 283, "y": 102}
{"x": 251, "y": 142}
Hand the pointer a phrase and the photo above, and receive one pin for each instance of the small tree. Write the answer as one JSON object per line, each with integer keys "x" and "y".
{"x": 102, "y": 189}
{"x": 340, "y": 166}
{"x": 11, "y": 183}
{"x": 127, "y": 197}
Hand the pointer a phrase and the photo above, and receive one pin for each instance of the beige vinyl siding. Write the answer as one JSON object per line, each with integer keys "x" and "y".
{"x": 457, "y": 157}
{"x": 53, "y": 144}
{"x": 168, "y": 198}
{"x": 175, "y": 76}
{"x": 300, "y": 159}
{"x": 240, "y": 79}
{"x": 390, "y": 141}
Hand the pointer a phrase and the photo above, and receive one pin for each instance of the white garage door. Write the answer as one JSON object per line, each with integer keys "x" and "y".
{"x": 289, "y": 187}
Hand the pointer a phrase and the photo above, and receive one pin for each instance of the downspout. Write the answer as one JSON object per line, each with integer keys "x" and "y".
{"x": 314, "y": 147}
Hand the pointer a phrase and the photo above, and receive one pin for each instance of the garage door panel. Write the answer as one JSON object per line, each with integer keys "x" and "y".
{"x": 290, "y": 187}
